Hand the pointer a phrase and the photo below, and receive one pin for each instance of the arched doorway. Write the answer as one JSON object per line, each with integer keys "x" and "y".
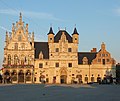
{"x": 98, "y": 79}
{"x": 63, "y": 79}
{"x": 28, "y": 75}
{"x": 7, "y": 78}
{"x": 21, "y": 76}
{"x": 63, "y": 76}
{"x": 14, "y": 75}
{"x": 42, "y": 79}
{"x": 79, "y": 77}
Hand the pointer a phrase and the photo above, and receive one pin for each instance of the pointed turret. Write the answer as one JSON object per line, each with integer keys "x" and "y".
{"x": 50, "y": 35}
{"x": 13, "y": 30}
{"x": 103, "y": 46}
{"x": 75, "y": 31}
{"x": 32, "y": 39}
{"x": 26, "y": 30}
{"x": 50, "y": 31}
{"x": 75, "y": 36}
{"x": 6, "y": 39}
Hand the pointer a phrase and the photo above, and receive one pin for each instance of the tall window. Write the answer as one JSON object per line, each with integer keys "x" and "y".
{"x": 29, "y": 59}
{"x": 19, "y": 38}
{"x": 69, "y": 64}
{"x": 16, "y": 46}
{"x": 23, "y": 45}
{"x": 57, "y": 50}
{"x": 22, "y": 59}
{"x": 69, "y": 49}
{"x": 92, "y": 79}
{"x": 9, "y": 59}
{"x": 56, "y": 64}
{"x": 103, "y": 61}
{"x": 40, "y": 65}
{"x": 99, "y": 60}
{"x": 15, "y": 59}
{"x": 86, "y": 79}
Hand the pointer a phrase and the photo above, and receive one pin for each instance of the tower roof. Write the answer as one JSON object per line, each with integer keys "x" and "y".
{"x": 75, "y": 31}
{"x": 50, "y": 31}
{"x": 59, "y": 34}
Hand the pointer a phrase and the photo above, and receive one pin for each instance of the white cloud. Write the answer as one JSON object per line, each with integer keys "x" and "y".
{"x": 31, "y": 14}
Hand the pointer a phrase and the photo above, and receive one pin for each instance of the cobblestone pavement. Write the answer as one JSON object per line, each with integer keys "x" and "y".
{"x": 39, "y": 92}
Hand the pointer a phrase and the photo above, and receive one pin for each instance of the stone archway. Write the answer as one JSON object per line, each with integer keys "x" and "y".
{"x": 21, "y": 76}
{"x": 7, "y": 78}
{"x": 28, "y": 75}
{"x": 79, "y": 78}
{"x": 14, "y": 75}
{"x": 63, "y": 79}
{"x": 63, "y": 76}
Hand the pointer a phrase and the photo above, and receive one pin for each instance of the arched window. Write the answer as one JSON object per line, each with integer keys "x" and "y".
{"x": 9, "y": 59}
{"x": 85, "y": 61}
{"x": 22, "y": 46}
{"x": 16, "y": 46}
{"x": 22, "y": 59}
{"x": 19, "y": 38}
{"x": 15, "y": 59}
{"x": 29, "y": 59}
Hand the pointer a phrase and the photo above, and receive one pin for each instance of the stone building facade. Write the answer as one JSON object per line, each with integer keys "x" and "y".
{"x": 55, "y": 61}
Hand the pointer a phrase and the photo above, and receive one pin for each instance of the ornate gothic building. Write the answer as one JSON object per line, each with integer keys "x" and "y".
{"x": 55, "y": 61}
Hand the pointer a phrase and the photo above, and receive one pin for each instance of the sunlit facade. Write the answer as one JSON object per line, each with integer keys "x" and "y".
{"x": 56, "y": 61}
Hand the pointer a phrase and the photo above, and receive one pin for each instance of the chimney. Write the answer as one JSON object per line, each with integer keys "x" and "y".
{"x": 94, "y": 50}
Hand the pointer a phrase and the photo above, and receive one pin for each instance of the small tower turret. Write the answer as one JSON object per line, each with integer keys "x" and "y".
{"x": 103, "y": 47}
{"x": 32, "y": 39}
{"x": 6, "y": 39}
{"x": 75, "y": 36}
{"x": 13, "y": 30}
{"x": 26, "y": 31}
{"x": 50, "y": 36}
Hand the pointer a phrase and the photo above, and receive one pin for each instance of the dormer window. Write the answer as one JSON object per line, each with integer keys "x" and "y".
{"x": 85, "y": 61}
{"x": 41, "y": 55}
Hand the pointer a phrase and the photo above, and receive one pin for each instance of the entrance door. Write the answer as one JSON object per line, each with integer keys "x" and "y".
{"x": 63, "y": 79}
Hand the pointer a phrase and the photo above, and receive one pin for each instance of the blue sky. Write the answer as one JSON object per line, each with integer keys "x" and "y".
{"x": 97, "y": 21}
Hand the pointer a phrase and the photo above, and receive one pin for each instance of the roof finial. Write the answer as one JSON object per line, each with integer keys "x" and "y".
{"x": 50, "y": 24}
{"x": 75, "y": 25}
{"x": 65, "y": 28}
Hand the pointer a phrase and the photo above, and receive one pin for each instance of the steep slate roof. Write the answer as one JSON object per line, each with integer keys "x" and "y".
{"x": 41, "y": 46}
{"x": 90, "y": 56}
{"x": 58, "y": 36}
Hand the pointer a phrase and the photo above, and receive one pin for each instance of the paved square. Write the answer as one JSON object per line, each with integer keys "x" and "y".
{"x": 37, "y": 92}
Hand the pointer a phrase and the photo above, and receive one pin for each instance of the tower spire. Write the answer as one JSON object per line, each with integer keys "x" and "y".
{"x": 20, "y": 18}
{"x": 50, "y": 31}
{"x": 75, "y": 31}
